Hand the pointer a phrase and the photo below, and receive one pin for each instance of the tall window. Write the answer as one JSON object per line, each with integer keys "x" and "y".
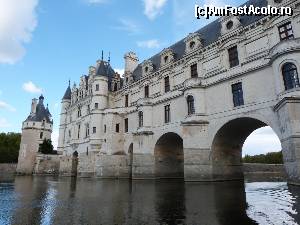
{"x": 194, "y": 72}
{"x": 117, "y": 127}
{"x": 104, "y": 128}
{"x": 115, "y": 86}
{"x": 41, "y": 135}
{"x": 147, "y": 91}
{"x": 233, "y": 56}
{"x": 94, "y": 130}
{"x": 126, "y": 100}
{"x": 78, "y": 134}
{"x": 88, "y": 110}
{"x": 167, "y": 84}
{"x": 190, "y": 103}
{"x": 126, "y": 125}
{"x": 96, "y": 105}
{"x": 167, "y": 113}
{"x": 97, "y": 87}
{"x": 237, "y": 93}
{"x": 290, "y": 76}
{"x": 140, "y": 118}
{"x": 79, "y": 112}
{"x": 286, "y": 31}
{"x": 87, "y": 130}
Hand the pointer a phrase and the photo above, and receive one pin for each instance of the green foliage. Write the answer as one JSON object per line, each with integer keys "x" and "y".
{"x": 9, "y": 147}
{"x": 46, "y": 147}
{"x": 269, "y": 158}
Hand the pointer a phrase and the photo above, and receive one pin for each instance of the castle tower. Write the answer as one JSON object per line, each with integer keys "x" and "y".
{"x": 65, "y": 103}
{"x": 131, "y": 62}
{"x": 36, "y": 128}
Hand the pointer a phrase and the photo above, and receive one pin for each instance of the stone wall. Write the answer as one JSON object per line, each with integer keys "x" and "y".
{"x": 7, "y": 168}
{"x": 264, "y": 172}
{"x": 47, "y": 164}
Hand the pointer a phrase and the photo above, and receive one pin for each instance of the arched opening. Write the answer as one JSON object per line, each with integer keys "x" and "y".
{"x": 227, "y": 147}
{"x": 130, "y": 153}
{"x": 169, "y": 159}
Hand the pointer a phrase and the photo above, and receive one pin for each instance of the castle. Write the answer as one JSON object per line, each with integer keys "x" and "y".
{"x": 186, "y": 111}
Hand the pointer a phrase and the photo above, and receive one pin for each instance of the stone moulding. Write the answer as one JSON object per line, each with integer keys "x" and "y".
{"x": 285, "y": 100}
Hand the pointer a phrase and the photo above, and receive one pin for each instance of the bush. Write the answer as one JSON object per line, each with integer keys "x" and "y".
{"x": 9, "y": 147}
{"x": 46, "y": 147}
{"x": 269, "y": 158}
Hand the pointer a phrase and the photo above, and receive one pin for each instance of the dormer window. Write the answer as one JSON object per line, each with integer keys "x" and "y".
{"x": 192, "y": 45}
{"x": 147, "y": 67}
{"x": 167, "y": 56}
{"x": 229, "y": 25}
{"x": 166, "y": 59}
{"x": 192, "y": 42}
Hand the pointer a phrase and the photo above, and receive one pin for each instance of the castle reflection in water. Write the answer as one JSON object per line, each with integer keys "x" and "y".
{"x": 48, "y": 200}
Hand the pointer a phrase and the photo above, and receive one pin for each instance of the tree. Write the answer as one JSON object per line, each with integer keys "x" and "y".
{"x": 46, "y": 147}
{"x": 269, "y": 158}
{"x": 9, "y": 147}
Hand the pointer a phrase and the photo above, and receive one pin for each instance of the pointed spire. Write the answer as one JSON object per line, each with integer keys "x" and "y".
{"x": 108, "y": 57}
{"x": 69, "y": 82}
{"x": 102, "y": 55}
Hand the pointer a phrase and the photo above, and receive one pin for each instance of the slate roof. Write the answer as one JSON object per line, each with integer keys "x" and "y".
{"x": 104, "y": 69}
{"x": 41, "y": 113}
{"x": 67, "y": 95}
{"x": 210, "y": 33}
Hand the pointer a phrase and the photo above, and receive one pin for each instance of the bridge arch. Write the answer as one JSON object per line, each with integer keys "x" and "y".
{"x": 169, "y": 157}
{"x": 227, "y": 144}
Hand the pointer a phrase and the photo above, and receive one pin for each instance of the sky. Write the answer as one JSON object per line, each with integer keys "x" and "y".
{"x": 44, "y": 43}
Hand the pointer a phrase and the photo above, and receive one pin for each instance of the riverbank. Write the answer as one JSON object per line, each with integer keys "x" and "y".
{"x": 257, "y": 171}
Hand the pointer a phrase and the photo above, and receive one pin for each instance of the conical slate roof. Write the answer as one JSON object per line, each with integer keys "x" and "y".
{"x": 41, "y": 113}
{"x": 67, "y": 95}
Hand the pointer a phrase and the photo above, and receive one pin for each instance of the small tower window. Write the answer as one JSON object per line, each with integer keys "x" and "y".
{"x": 167, "y": 113}
{"x": 104, "y": 128}
{"x": 115, "y": 86}
{"x": 41, "y": 135}
{"x": 167, "y": 84}
{"x": 117, "y": 128}
{"x": 94, "y": 130}
{"x": 140, "y": 118}
{"x": 194, "y": 72}
{"x": 126, "y": 125}
{"x": 290, "y": 76}
{"x": 146, "y": 69}
{"x": 190, "y": 103}
{"x": 96, "y": 105}
{"x": 97, "y": 87}
{"x": 78, "y": 134}
{"x": 126, "y": 100}
{"x": 146, "y": 91}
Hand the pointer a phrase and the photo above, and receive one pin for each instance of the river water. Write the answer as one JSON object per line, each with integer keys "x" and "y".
{"x": 48, "y": 200}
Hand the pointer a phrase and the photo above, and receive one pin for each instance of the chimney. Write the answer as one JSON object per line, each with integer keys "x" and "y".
{"x": 33, "y": 106}
{"x": 131, "y": 62}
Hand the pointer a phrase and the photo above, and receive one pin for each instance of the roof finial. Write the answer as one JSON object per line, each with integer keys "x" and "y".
{"x": 102, "y": 55}
{"x": 69, "y": 82}
{"x": 108, "y": 57}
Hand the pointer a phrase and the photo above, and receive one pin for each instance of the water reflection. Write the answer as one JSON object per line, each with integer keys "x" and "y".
{"x": 46, "y": 200}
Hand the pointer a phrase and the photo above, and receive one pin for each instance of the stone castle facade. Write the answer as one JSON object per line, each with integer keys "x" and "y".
{"x": 187, "y": 111}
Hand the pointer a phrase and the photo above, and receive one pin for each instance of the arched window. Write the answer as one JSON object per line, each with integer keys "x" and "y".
{"x": 116, "y": 87}
{"x": 290, "y": 76}
{"x": 190, "y": 103}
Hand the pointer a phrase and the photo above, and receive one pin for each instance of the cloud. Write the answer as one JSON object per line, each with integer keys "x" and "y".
{"x": 261, "y": 141}
{"x": 153, "y": 8}
{"x": 17, "y": 22}
{"x": 127, "y": 25}
{"x": 119, "y": 71}
{"x": 6, "y": 106}
{"x": 4, "y": 123}
{"x": 32, "y": 88}
{"x": 153, "y": 43}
